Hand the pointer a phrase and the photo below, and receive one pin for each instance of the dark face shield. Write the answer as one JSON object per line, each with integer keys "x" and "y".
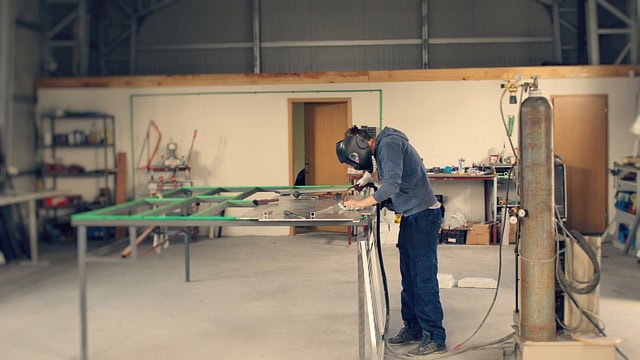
{"x": 355, "y": 151}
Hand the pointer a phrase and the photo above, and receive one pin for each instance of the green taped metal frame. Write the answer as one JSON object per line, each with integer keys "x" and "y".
{"x": 165, "y": 210}
{"x": 173, "y": 208}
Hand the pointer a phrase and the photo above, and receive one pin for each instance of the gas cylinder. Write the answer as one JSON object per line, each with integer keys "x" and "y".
{"x": 537, "y": 243}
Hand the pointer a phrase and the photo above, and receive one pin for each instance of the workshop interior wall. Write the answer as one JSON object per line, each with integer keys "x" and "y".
{"x": 243, "y": 130}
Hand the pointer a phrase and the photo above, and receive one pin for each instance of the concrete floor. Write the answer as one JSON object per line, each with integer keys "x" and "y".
{"x": 259, "y": 298}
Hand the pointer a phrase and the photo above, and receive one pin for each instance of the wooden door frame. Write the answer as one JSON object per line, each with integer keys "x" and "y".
{"x": 291, "y": 102}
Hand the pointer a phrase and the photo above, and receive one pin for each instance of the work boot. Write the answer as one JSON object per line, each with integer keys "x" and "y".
{"x": 404, "y": 336}
{"x": 427, "y": 347}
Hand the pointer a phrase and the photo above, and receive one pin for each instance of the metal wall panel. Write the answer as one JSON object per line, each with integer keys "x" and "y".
{"x": 287, "y": 21}
{"x": 490, "y": 55}
{"x": 198, "y": 21}
{"x": 192, "y": 24}
{"x": 399, "y": 57}
{"x": 299, "y": 20}
{"x": 21, "y": 149}
{"x": 484, "y": 18}
{"x": 313, "y": 35}
{"x": 23, "y": 154}
{"x": 27, "y": 61}
{"x": 356, "y": 58}
{"x": 28, "y": 10}
{"x": 220, "y": 61}
{"x": 287, "y": 60}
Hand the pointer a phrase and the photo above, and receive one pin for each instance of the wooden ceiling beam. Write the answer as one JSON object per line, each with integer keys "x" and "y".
{"x": 497, "y": 73}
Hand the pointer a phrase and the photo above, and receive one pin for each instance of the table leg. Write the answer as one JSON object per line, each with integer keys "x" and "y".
{"x": 82, "y": 272}
{"x": 132, "y": 243}
{"x": 33, "y": 236}
{"x": 187, "y": 261}
{"x": 33, "y": 232}
{"x": 361, "y": 306}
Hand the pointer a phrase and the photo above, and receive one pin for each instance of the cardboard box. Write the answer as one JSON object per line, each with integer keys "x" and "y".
{"x": 479, "y": 234}
{"x": 512, "y": 233}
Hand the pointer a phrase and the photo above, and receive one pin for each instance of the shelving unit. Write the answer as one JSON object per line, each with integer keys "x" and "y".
{"x": 75, "y": 148}
{"x": 623, "y": 229}
{"x": 505, "y": 180}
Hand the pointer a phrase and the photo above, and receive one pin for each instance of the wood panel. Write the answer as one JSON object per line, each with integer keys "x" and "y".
{"x": 580, "y": 139}
{"x": 121, "y": 189}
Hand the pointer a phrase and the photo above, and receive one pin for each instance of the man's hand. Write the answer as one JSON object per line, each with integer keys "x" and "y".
{"x": 359, "y": 204}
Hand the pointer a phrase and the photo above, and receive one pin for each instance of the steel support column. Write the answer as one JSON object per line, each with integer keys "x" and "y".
{"x": 256, "y": 37}
{"x": 629, "y": 17}
{"x": 72, "y": 33}
{"x": 557, "y": 38}
{"x": 118, "y": 41}
{"x": 7, "y": 40}
{"x": 425, "y": 34}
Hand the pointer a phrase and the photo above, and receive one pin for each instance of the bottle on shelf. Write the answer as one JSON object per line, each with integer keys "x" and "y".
{"x": 93, "y": 134}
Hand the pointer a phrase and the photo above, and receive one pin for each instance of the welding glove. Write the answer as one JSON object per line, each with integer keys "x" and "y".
{"x": 366, "y": 179}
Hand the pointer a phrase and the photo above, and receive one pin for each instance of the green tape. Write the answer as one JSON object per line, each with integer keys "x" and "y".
{"x": 512, "y": 120}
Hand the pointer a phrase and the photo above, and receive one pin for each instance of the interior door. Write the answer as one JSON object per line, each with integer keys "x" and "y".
{"x": 324, "y": 125}
{"x": 580, "y": 139}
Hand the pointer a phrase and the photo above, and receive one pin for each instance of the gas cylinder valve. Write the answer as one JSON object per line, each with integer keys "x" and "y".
{"x": 522, "y": 213}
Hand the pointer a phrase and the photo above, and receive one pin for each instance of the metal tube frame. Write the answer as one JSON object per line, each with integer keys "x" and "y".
{"x": 120, "y": 215}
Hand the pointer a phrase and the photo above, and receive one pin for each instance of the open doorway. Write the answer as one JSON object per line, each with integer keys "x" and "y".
{"x": 315, "y": 125}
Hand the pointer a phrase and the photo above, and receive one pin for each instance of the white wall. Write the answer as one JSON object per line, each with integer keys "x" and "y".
{"x": 243, "y": 130}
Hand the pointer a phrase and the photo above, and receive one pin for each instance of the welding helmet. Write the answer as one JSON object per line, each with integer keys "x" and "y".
{"x": 354, "y": 150}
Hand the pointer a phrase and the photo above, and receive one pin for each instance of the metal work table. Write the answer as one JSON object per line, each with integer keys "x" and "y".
{"x": 17, "y": 197}
{"x": 287, "y": 206}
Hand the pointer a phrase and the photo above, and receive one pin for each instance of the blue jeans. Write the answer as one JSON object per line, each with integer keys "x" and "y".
{"x": 420, "y": 298}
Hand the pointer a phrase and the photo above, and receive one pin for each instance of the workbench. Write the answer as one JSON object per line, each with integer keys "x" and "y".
{"x": 175, "y": 209}
{"x": 490, "y": 190}
{"x": 19, "y": 197}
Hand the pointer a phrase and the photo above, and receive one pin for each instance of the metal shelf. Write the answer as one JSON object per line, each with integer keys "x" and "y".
{"x": 84, "y": 140}
{"x": 84, "y": 174}
{"x": 631, "y": 221}
{"x": 81, "y": 146}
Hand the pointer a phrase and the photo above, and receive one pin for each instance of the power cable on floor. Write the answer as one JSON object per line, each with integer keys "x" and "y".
{"x": 592, "y": 284}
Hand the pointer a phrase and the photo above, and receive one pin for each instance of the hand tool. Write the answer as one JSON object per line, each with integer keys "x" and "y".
{"x": 264, "y": 201}
{"x": 308, "y": 195}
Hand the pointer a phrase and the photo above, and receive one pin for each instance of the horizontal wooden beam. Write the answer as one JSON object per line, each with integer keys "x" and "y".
{"x": 506, "y": 73}
{"x": 204, "y": 80}
{"x": 498, "y": 73}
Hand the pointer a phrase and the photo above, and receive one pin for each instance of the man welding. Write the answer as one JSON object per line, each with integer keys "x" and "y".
{"x": 404, "y": 180}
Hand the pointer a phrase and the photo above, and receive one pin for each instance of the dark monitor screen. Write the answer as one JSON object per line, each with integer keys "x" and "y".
{"x": 560, "y": 189}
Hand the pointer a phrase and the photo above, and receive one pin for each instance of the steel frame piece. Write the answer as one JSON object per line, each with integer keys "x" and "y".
{"x": 628, "y": 31}
{"x": 69, "y": 33}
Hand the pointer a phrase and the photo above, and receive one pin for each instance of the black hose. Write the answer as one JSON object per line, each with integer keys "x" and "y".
{"x": 569, "y": 289}
{"x": 384, "y": 276}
